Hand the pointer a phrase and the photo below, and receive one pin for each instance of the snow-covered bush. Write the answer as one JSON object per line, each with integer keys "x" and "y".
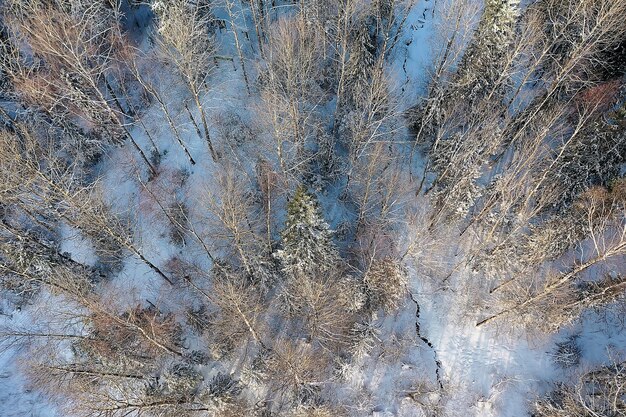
{"x": 223, "y": 387}
{"x": 567, "y": 352}
{"x": 386, "y": 284}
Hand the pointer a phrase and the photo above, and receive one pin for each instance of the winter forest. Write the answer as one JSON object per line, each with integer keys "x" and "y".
{"x": 312, "y": 208}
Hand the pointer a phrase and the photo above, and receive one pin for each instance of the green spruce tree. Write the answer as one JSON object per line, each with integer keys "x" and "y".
{"x": 307, "y": 239}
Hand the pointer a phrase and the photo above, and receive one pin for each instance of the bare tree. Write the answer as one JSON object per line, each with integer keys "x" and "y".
{"x": 290, "y": 89}
{"x": 49, "y": 190}
{"x": 599, "y": 392}
{"x": 297, "y": 371}
{"x": 240, "y": 310}
{"x": 606, "y": 240}
{"x": 184, "y": 37}
{"x": 133, "y": 59}
{"x": 74, "y": 55}
{"x": 236, "y": 215}
{"x": 235, "y": 29}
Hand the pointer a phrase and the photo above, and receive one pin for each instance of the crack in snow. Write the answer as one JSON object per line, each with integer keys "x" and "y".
{"x": 427, "y": 342}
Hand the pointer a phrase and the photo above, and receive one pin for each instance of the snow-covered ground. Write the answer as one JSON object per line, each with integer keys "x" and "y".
{"x": 433, "y": 362}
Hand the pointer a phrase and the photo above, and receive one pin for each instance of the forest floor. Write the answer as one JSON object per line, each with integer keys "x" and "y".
{"x": 432, "y": 358}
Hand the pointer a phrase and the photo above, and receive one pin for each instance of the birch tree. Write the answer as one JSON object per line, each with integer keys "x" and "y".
{"x": 185, "y": 39}
{"x": 73, "y": 50}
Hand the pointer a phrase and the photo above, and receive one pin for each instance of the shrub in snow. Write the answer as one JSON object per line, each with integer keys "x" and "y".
{"x": 308, "y": 394}
{"x": 255, "y": 373}
{"x": 179, "y": 381}
{"x": 198, "y": 318}
{"x": 198, "y": 357}
{"x": 599, "y": 392}
{"x": 567, "y": 353}
{"x": 234, "y": 129}
{"x": 182, "y": 379}
{"x": 179, "y": 214}
{"x": 328, "y": 162}
{"x": 365, "y": 337}
{"x": 223, "y": 387}
{"x": 386, "y": 284}
{"x": 17, "y": 255}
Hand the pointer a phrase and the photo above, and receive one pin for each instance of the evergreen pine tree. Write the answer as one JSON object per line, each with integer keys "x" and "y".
{"x": 482, "y": 64}
{"x": 307, "y": 239}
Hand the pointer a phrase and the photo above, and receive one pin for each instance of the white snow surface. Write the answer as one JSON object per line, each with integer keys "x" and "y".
{"x": 485, "y": 372}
